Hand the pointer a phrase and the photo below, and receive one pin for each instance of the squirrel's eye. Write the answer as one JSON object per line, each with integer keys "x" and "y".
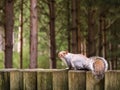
{"x": 64, "y": 53}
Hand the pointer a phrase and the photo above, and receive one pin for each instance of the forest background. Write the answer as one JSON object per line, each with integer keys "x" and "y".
{"x": 32, "y": 32}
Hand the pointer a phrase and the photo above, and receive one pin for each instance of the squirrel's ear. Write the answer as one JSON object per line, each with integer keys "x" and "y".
{"x": 66, "y": 51}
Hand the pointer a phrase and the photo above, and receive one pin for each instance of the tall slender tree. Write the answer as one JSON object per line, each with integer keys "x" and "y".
{"x": 100, "y": 35}
{"x": 68, "y": 26}
{"x": 33, "y": 33}
{"x": 104, "y": 38}
{"x": 51, "y": 5}
{"x": 74, "y": 27}
{"x": 91, "y": 32}
{"x": 21, "y": 35}
{"x": 9, "y": 23}
{"x": 79, "y": 38}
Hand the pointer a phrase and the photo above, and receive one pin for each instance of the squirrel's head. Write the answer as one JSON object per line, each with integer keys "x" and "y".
{"x": 62, "y": 54}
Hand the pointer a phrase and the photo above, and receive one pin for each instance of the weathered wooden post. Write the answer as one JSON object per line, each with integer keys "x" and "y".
{"x": 44, "y": 79}
{"x": 2, "y": 80}
{"x": 92, "y": 83}
{"x": 60, "y": 79}
{"x": 77, "y": 80}
{"x": 5, "y": 79}
{"x": 16, "y": 80}
{"x": 112, "y": 80}
{"x": 29, "y": 79}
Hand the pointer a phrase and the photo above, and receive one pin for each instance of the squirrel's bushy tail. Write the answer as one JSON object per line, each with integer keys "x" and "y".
{"x": 99, "y": 66}
{"x": 99, "y": 69}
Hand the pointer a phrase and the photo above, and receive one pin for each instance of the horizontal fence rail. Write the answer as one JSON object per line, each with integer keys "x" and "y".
{"x": 56, "y": 79}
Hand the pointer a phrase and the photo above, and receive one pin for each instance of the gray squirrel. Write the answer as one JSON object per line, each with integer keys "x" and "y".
{"x": 96, "y": 64}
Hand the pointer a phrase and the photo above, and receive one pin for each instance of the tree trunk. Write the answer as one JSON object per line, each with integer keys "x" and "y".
{"x": 100, "y": 36}
{"x": 104, "y": 38}
{"x": 21, "y": 38}
{"x": 68, "y": 26}
{"x": 21, "y": 35}
{"x": 91, "y": 33}
{"x": 33, "y": 33}
{"x": 52, "y": 34}
{"x": 113, "y": 50}
{"x": 9, "y": 23}
{"x": 79, "y": 40}
{"x": 74, "y": 28}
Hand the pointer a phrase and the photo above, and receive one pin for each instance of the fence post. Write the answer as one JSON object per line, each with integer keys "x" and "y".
{"x": 16, "y": 80}
{"x": 92, "y": 83}
{"x": 4, "y": 79}
{"x": 112, "y": 80}
{"x": 29, "y": 79}
{"x": 60, "y": 79}
{"x": 44, "y": 79}
{"x": 77, "y": 80}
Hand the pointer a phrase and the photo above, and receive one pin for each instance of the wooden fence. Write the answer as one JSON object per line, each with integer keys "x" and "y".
{"x": 56, "y": 79}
